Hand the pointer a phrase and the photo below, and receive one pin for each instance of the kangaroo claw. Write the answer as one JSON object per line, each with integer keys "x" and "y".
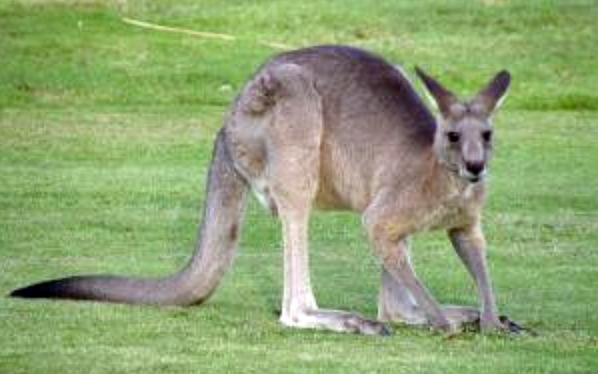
{"x": 385, "y": 330}
{"x": 515, "y": 328}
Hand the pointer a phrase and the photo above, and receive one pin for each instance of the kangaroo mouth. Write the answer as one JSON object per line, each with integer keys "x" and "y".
{"x": 466, "y": 175}
{"x": 472, "y": 178}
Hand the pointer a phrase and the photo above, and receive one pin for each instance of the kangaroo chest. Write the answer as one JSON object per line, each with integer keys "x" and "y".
{"x": 415, "y": 214}
{"x": 457, "y": 209}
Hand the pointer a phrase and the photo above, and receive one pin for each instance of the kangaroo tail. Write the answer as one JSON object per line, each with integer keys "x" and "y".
{"x": 222, "y": 216}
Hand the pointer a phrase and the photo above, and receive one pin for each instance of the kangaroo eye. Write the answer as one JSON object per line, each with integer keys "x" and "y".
{"x": 487, "y": 135}
{"x": 453, "y": 136}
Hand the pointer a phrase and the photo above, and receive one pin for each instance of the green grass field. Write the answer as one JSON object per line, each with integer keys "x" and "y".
{"x": 106, "y": 131}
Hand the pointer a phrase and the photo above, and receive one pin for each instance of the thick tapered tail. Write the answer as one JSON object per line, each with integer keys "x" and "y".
{"x": 222, "y": 218}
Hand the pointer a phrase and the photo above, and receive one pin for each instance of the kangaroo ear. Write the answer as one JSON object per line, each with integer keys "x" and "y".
{"x": 491, "y": 97}
{"x": 443, "y": 97}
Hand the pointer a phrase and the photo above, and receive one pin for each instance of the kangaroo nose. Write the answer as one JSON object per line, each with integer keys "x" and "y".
{"x": 474, "y": 167}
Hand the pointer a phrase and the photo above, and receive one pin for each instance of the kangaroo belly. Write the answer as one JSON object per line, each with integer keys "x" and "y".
{"x": 344, "y": 181}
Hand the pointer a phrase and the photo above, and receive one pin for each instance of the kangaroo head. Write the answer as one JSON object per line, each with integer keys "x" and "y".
{"x": 463, "y": 140}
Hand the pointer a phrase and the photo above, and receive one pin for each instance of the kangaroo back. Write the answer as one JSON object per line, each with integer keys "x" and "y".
{"x": 222, "y": 217}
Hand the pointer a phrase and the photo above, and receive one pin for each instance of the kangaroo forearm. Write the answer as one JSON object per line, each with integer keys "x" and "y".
{"x": 470, "y": 245}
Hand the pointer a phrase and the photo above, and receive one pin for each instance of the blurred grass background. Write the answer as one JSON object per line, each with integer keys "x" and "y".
{"x": 106, "y": 131}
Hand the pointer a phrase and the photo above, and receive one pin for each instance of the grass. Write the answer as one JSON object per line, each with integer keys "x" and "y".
{"x": 106, "y": 131}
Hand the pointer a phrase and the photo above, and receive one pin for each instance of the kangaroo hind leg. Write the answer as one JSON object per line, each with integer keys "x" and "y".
{"x": 397, "y": 304}
{"x": 288, "y": 105}
{"x": 388, "y": 230}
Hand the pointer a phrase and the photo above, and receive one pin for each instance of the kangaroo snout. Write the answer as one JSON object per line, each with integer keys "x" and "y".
{"x": 473, "y": 171}
{"x": 475, "y": 167}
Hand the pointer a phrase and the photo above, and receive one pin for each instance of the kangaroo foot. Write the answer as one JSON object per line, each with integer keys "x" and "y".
{"x": 455, "y": 316}
{"x": 468, "y": 318}
{"x": 461, "y": 316}
{"x": 335, "y": 320}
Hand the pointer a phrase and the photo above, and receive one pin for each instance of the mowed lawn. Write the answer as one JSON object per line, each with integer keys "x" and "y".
{"x": 106, "y": 131}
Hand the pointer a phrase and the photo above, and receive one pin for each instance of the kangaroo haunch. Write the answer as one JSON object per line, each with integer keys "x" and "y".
{"x": 335, "y": 127}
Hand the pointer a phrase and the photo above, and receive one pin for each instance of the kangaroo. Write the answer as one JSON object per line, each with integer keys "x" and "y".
{"x": 336, "y": 127}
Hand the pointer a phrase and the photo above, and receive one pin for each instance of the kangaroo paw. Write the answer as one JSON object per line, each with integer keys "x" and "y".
{"x": 514, "y": 327}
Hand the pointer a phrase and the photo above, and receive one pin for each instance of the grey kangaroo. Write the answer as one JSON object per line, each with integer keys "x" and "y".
{"x": 336, "y": 127}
